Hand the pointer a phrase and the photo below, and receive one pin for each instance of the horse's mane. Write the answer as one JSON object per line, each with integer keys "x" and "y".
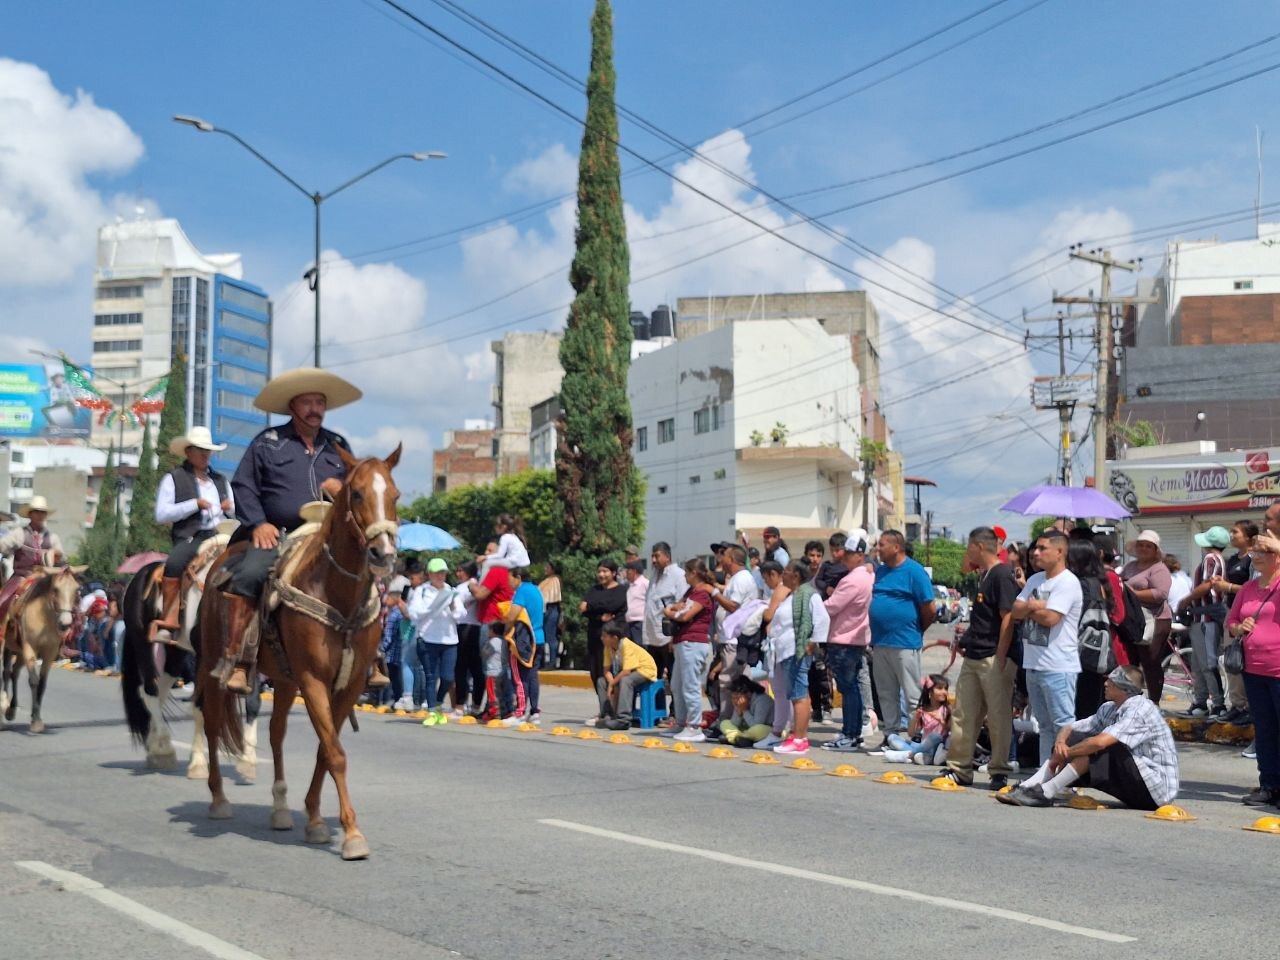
{"x": 42, "y": 587}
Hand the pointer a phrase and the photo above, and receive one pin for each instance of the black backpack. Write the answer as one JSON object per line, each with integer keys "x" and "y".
{"x": 1096, "y": 655}
{"x": 1134, "y": 624}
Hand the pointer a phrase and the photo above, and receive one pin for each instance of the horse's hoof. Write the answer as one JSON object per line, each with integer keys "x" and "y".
{"x": 318, "y": 833}
{"x": 198, "y": 771}
{"x": 355, "y": 848}
{"x": 37, "y": 726}
{"x": 220, "y": 810}
{"x": 283, "y": 820}
{"x": 247, "y": 770}
{"x": 162, "y": 761}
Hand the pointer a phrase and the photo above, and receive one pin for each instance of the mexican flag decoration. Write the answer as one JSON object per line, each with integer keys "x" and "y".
{"x": 152, "y": 401}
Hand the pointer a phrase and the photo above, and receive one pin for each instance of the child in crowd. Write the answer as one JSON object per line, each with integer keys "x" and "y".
{"x": 510, "y": 551}
{"x": 494, "y": 653}
{"x": 628, "y": 668}
{"x": 929, "y": 727}
{"x": 752, "y": 713}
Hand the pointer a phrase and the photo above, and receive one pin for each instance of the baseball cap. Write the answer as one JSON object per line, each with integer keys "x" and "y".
{"x": 1214, "y": 537}
{"x": 437, "y": 565}
{"x": 1000, "y": 533}
{"x": 772, "y": 531}
{"x": 722, "y": 545}
{"x": 856, "y": 540}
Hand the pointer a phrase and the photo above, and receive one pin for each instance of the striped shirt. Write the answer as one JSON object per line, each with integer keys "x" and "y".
{"x": 1139, "y": 725}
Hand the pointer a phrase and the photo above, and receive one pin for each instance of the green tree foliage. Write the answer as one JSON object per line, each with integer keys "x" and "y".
{"x": 104, "y": 544}
{"x": 594, "y": 472}
{"x": 1039, "y": 525}
{"x": 947, "y": 559}
{"x": 144, "y": 532}
{"x": 173, "y": 418}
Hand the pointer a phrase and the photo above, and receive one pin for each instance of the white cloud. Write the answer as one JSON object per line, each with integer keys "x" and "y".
{"x": 479, "y": 366}
{"x": 51, "y": 144}
{"x": 549, "y": 174}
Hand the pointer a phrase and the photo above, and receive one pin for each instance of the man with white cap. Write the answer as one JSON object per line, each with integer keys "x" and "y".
{"x": 31, "y": 547}
{"x": 283, "y": 468}
{"x": 194, "y": 499}
{"x": 849, "y": 607}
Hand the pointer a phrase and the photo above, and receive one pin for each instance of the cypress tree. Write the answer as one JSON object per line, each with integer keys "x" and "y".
{"x": 595, "y": 476}
{"x": 103, "y": 545}
{"x": 144, "y": 532}
{"x": 173, "y": 418}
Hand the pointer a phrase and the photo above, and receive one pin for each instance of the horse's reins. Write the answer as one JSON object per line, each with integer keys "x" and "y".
{"x": 370, "y": 533}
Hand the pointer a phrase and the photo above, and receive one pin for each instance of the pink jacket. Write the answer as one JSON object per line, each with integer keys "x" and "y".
{"x": 849, "y": 606}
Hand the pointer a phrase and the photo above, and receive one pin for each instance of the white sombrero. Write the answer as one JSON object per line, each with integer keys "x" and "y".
{"x": 275, "y": 396}
{"x": 37, "y": 503}
{"x": 198, "y": 437}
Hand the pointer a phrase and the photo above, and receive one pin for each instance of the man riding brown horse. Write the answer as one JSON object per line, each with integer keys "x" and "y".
{"x": 283, "y": 468}
{"x": 193, "y": 498}
{"x": 32, "y": 547}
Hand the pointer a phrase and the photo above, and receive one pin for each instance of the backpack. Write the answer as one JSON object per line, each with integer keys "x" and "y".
{"x": 1133, "y": 627}
{"x": 1095, "y": 628}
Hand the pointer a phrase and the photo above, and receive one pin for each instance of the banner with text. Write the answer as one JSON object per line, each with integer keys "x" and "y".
{"x": 1232, "y": 480}
{"x": 35, "y": 401}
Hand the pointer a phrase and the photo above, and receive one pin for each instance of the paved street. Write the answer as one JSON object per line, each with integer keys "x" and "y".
{"x": 494, "y": 844}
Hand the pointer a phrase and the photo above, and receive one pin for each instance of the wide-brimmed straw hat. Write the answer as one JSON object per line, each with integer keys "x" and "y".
{"x": 38, "y": 502}
{"x": 198, "y": 437}
{"x": 1146, "y": 536}
{"x": 275, "y": 396}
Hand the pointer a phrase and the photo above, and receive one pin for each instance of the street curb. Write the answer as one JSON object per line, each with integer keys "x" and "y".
{"x": 577, "y": 679}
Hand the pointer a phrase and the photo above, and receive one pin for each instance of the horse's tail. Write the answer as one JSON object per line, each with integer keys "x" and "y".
{"x": 220, "y": 707}
{"x": 137, "y": 666}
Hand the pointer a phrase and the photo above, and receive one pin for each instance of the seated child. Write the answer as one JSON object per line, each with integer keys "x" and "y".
{"x": 929, "y": 727}
{"x": 752, "y": 714}
{"x": 628, "y": 669}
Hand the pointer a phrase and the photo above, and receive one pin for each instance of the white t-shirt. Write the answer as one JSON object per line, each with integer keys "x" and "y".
{"x": 1054, "y": 649}
{"x": 740, "y": 588}
{"x": 782, "y": 632}
{"x": 821, "y": 619}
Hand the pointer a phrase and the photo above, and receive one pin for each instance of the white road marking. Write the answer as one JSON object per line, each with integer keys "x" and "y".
{"x": 949, "y": 903}
{"x": 77, "y": 883}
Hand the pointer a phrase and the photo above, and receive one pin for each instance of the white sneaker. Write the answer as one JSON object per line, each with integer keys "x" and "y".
{"x": 404, "y": 703}
{"x": 513, "y": 721}
{"x": 591, "y": 721}
{"x": 691, "y": 735}
{"x": 768, "y": 743}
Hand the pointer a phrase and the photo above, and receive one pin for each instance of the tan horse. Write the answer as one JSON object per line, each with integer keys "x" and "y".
{"x": 41, "y": 615}
{"x": 327, "y": 641}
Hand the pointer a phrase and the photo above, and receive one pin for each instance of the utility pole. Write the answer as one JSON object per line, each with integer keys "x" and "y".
{"x": 1059, "y": 393}
{"x": 1108, "y": 350}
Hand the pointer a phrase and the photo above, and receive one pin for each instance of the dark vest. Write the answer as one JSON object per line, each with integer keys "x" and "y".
{"x": 31, "y": 554}
{"x": 185, "y": 488}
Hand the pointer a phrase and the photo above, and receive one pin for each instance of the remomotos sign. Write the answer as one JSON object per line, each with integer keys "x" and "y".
{"x": 1236, "y": 480}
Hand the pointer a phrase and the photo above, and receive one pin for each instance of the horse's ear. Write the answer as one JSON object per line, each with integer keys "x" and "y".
{"x": 346, "y": 456}
{"x": 394, "y": 458}
{"x": 78, "y": 570}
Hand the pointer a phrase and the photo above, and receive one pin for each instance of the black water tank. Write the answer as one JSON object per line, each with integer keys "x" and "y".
{"x": 639, "y": 325}
{"x": 662, "y": 323}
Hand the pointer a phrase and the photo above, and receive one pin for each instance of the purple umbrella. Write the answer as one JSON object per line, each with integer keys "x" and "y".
{"x": 1051, "y": 501}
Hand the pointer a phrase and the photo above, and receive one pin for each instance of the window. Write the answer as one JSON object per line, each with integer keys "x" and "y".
{"x": 696, "y": 478}
{"x": 662, "y": 489}
{"x": 229, "y": 427}
{"x": 117, "y": 373}
{"x": 721, "y": 473}
{"x": 180, "y": 316}
{"x": 130, "y": 292}
{"x": 247, "y": 299}
{"x": 236, "y": 401}
{"x": 242, "y": 377}
{"x": 116, "y": 346}
{"x": 243, "y": 325}
{"x": 24, "y": 483}
{"x": 1243, "y": 285}
{"x": 115, "y": 319}
{"x": 200, "y": 382}
{"x": 17, "y": 456}
{"x": 642, "y": 439}
{"x": 706, "y": 419}
{"x": 666, "y": 430}
{"x": 242, "y": 351}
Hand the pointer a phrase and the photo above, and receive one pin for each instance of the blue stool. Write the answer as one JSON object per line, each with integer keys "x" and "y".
{"x": 647, "y": 698}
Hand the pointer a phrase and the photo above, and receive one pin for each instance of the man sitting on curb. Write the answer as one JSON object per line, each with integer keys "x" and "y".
{"x": 628, "y": 669}
{"x": 1125, "y": 749}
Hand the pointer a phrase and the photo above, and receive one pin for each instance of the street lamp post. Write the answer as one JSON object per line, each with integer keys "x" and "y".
{"x": 312, "y": 276}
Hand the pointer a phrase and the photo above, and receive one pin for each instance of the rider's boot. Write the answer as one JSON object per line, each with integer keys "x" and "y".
{"x": 171, "y": 607}
{"x": 240, "y": 612}
{"x": 378, "y": 674}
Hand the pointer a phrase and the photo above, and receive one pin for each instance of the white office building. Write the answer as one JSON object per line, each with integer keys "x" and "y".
{"x": 156, "y": 295}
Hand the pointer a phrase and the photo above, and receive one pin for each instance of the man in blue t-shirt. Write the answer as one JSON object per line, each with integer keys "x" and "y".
{"x": 901, "y": 611}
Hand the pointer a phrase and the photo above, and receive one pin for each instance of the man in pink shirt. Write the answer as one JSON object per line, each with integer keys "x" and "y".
{"x": 637, "y": 586}
{"x": 848, "y": 606}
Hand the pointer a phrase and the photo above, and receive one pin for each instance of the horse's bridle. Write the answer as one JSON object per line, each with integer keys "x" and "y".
{"x": 369, "y": 534}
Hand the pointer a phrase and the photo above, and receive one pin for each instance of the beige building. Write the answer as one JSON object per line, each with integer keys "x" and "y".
{"x": 467, "y": 458}
{"x": 526, "y": 372}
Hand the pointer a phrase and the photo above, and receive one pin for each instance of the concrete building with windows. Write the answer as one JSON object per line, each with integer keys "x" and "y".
{"x": 1199, "y": 363}
{"x": 747, "y": 423}
{"x": 526, "y": 372}
{"x": 156, "y": 295}
{"x": 466, "y": 458}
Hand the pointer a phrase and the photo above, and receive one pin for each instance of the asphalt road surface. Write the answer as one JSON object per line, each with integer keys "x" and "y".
{"x": 499, "y": 844}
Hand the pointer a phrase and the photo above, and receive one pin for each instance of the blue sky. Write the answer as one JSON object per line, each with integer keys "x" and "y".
{"x": 328, "y": 88}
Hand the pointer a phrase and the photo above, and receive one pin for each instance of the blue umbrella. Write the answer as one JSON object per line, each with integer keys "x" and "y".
{"x": 423, "y": 536}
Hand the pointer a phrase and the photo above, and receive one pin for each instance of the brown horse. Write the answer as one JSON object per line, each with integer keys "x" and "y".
{"x": 41, "y": 615}
{"x": 327, "y": 641}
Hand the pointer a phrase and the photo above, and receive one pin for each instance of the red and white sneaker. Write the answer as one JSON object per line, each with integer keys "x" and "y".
{"x": 793, "y": 747}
